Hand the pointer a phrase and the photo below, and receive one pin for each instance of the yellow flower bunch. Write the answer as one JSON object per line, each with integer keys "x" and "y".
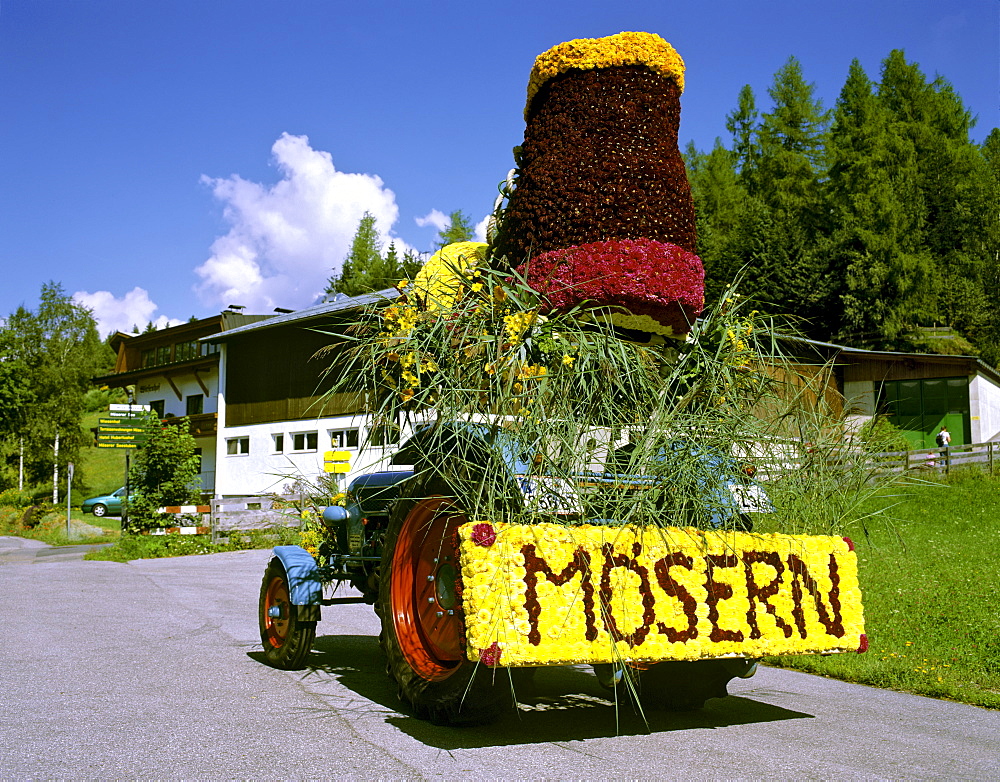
{"x": 586, "y": 54}
{"x": 515, "y": 325}
{"x": 549, "y": 594}
{"x": 439, "y": 281}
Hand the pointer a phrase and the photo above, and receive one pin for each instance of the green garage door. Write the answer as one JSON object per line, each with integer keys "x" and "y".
{"x": 921, "y": 407}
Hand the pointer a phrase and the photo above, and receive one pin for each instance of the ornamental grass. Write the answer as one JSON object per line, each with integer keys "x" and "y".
{"x": 563, "y": 398}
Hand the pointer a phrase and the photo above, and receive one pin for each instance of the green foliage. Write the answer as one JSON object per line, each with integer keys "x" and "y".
{"x": 98, "y": 399}
{"x": 459, "y": 229}
{"x": 879, "y": 435}
{"x": 47, "y": 358}
{"x": 929, "y": 595}
{"x": 490, "y": 376}
{"x": 863, "y": 223}
{"x": 15, "y": 498}
{"x": 131, "y": 547}
{"x": 366, "y": 268}
{"x": 164, "y": 472}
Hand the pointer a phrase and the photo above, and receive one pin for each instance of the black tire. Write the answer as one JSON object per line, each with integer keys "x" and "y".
{"x": 678, "y": 685}
{"x": 423, "y": 648}
{"x": 100, "y": 510}
{"x": 286, "y": 639}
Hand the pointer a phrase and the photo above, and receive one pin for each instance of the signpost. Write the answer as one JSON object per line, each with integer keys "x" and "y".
{"x": 126, "y": 427}
{"x": 69, "y": 499}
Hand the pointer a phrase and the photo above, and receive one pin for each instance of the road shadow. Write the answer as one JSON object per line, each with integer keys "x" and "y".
{"x": 556, "y": 704}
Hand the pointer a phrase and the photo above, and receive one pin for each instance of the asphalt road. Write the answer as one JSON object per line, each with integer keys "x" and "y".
{"x": 151, "y": 670}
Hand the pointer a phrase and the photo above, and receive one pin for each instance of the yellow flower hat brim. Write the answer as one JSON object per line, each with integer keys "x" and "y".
{"x": 585, "y": 54}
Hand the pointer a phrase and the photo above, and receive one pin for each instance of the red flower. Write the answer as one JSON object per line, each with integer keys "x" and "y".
{"x": 861, "y": 649}
{"x": 850, "y": 544}
{"x": 643, "y": 276}
{"x": 484, "y": 535}
{"x": 491, "y": 657}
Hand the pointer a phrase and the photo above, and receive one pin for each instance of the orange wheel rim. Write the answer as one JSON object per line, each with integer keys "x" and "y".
{"x": 423, "y": 589}
{"x": 276, "y": 607}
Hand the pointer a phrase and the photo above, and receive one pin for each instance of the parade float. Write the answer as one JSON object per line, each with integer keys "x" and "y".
{"x": 577, "y": 481}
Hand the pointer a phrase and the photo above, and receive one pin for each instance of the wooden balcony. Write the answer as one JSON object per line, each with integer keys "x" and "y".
{"x": 201, "y": 425}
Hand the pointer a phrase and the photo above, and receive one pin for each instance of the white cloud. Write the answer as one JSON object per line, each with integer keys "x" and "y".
{"x": 112, "y": 314}
{"x": 435, "y": 218}
{"x": 481, "y": 227}
{"x": 286, "y": 240}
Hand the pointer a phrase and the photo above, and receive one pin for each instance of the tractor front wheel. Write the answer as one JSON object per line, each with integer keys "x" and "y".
{"x": 286, "y": 639}
{"x": 422, "y": 621}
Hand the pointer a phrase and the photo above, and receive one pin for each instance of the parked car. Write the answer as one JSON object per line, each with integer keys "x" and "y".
{"x": 105, "y": 504}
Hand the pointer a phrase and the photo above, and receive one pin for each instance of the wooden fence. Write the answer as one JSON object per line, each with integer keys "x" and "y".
{"x": 249, "y": 514}
{"x": 983, "y": 455}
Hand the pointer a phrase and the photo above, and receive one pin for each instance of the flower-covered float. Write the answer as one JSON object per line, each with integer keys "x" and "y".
{"x": 576, "y": 485}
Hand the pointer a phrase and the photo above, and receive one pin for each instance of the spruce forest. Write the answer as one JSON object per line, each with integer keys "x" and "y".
{"x": 866, "y": 223}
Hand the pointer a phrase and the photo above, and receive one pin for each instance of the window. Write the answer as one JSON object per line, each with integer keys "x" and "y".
{"x": 195, "y": 404}
{"x": 305, "y": 441}
{"x": 157, "y": 407}
{"x": 185, "y": 350}
{"x": 148, "y": 358}
{"x": 344, "y": 438}
{"x": 279, "y": 442}
{"x": 384, "y": 434}
{"x": 238, "y": 446}
{"x": 163, "y": 355}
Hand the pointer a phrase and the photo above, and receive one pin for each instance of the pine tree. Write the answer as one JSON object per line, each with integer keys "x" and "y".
{"x": 874, "y": 253}
{"x": 364, "y": 257}
{"x": 787, "y": 274}
{"x": 744, "y": 125}
{"x": 459, "y": 229}
{"x": 720, "y": 200}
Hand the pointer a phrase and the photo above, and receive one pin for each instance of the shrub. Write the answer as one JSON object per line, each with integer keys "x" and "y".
{"x": 15, "y": 498}
{"x": 164, "y": 473}
{"x": 879, "y": 435}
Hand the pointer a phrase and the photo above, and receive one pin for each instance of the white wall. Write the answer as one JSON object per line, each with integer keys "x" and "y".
{"x": 264, "y": 469}
{"x": 157, "y": 388}
{"x": 984, "y": 405}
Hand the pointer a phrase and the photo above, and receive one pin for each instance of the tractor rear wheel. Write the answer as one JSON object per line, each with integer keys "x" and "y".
{"x": 286, "y": 639}
{"x": 685, "y": 685}
{"x": 422, "y": 621}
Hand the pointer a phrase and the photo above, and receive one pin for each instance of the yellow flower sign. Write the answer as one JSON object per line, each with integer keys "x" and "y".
{"x": 549, "y": 594}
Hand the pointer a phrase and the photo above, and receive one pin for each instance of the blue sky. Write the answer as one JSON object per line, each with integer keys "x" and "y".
{"x": 167, "y": 158}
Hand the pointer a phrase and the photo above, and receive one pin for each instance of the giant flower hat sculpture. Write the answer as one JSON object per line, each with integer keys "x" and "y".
{"x": 601, "y": 212}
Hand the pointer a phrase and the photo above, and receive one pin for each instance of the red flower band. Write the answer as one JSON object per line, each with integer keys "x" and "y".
{"x": 646, "y": 277}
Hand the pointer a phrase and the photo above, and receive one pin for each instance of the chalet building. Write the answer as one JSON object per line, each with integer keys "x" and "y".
{"x": 918, "y": 392}
{"x": 177, "y": 374}
{"x": 256, "y": 390}
{"x": 276, "y": 418}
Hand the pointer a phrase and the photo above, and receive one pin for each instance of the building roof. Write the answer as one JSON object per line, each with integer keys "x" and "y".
{"x": 834, "y": 351}
{"x": 316, "y": 312}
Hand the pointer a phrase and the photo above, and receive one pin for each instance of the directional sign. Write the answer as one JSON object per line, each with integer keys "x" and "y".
{"x": 125, "y": 426}
{"x": 337, "y": 461}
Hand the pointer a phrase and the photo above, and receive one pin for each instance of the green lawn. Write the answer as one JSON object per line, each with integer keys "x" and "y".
{"x": 930, "y": 581}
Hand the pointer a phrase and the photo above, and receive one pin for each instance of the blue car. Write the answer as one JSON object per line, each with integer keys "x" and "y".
{"x": 105, "y": 504}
